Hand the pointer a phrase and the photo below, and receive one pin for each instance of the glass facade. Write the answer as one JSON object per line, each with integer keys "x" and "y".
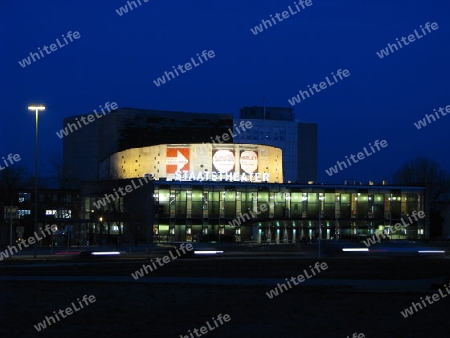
{"x": 277, "y": 213}
{"x": 170, "y": 211}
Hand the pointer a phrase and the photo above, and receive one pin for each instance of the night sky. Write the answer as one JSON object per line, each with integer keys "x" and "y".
{"x": 117, "y": 58}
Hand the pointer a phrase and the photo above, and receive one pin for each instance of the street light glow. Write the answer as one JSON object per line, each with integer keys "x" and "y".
{"x": 104, "y": 253}
{"x": 36, "y": 107}
{"x": 208, "y": 252}
{"x": 355, "y": 249}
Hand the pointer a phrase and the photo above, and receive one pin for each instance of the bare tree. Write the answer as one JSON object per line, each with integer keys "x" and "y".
{"x": 11, "y": 179}
{"x": 55, "y": 168}
{"x": 423, "y": 171}
{"x": 54, "y": 164}
{"x": 113, "y": 212}
{"x": 15, "y": 177}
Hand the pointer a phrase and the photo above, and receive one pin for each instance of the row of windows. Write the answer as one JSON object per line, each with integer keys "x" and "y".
{"x": 53, "y": 197}
{"x": 229, "y": 204}
{"x": 293, "y": 210}
{"x": 281, "y": 197}
{"x": 61, "y": 213}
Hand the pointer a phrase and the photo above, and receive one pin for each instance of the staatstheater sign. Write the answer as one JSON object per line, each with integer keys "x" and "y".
{"x": 220, "y": 176}
{"x": 223, "y": 168}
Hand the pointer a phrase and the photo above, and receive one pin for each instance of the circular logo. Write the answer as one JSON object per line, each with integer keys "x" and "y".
{"x": 249, "y": 161}
{"x": 223, "y": 160}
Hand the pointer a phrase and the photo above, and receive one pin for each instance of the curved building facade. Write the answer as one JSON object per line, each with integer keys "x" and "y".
{"x": 251, "y": 163}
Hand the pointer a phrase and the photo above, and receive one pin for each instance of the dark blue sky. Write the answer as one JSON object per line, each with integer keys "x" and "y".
{"x": 118, "y": 57}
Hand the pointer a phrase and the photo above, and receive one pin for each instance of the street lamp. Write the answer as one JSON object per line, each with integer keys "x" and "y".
{"x": 10, "y": 224}
{"x": 321, "y": 198}
{"x": 36, "y": 108}
{"x": 100, "y": 220}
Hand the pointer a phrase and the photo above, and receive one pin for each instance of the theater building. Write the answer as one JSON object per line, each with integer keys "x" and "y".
{"x": 234, "y": 192}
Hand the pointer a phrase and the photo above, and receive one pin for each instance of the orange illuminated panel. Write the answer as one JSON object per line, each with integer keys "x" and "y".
{"x": 177, "y": 160}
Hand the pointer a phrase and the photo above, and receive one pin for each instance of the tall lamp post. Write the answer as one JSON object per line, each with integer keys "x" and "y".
{"x": 100, "y": 221}
{"x": 321, "y": 198}
{"x": 10, "y": 225}
{"x": 36, "y": 108}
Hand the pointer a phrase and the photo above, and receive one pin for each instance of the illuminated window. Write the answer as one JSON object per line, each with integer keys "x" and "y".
{"x": 61, "y": 213}
{"x": 23, "y": 213}
{"x": 24, "y": 197}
